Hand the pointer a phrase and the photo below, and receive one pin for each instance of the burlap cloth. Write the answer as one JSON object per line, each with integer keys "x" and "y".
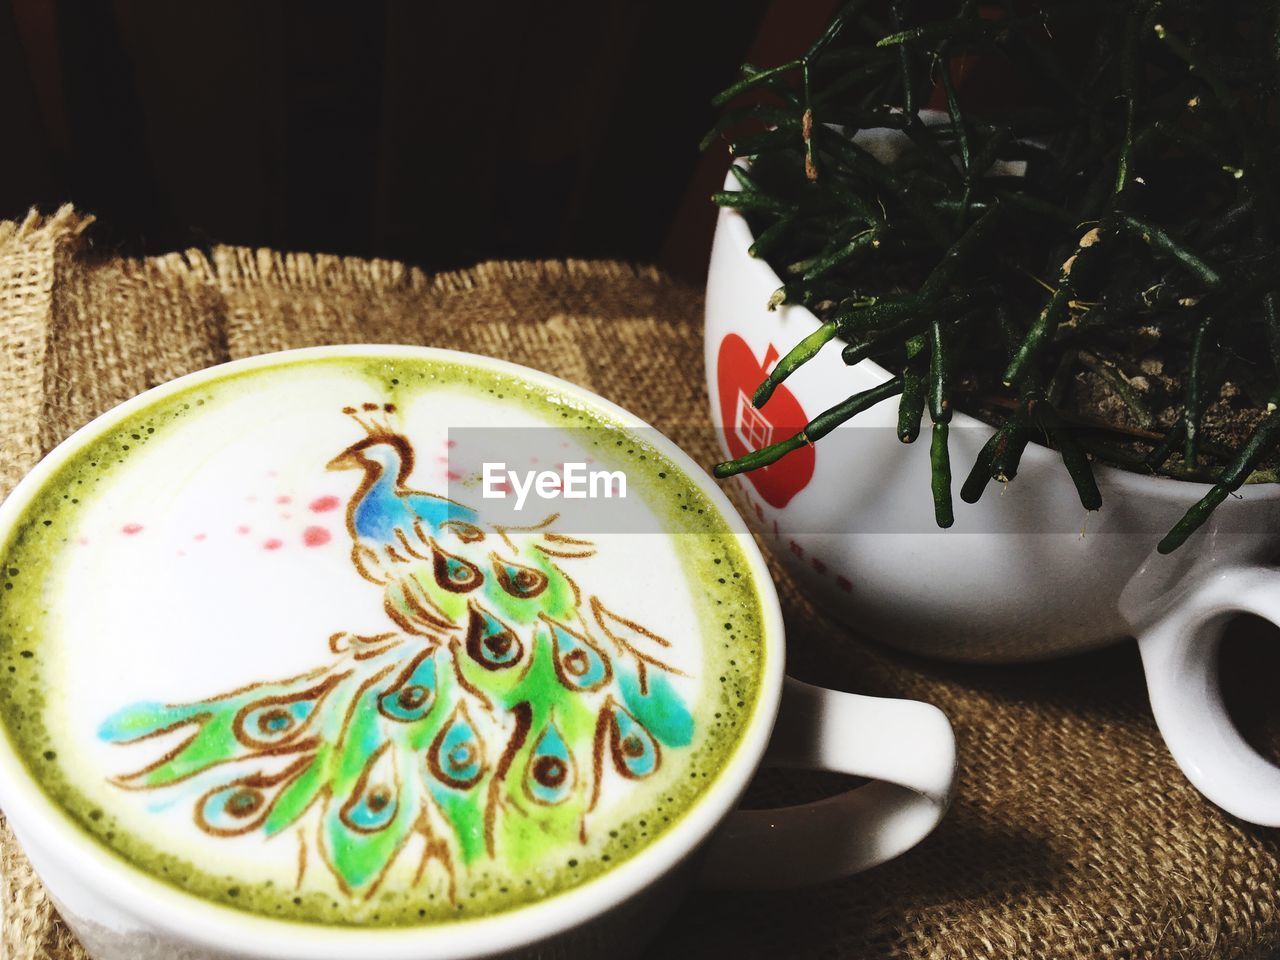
{"x": 1073, "y": 834}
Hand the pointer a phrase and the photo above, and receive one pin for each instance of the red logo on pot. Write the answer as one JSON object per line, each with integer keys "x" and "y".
{"x": 738, "y": 373}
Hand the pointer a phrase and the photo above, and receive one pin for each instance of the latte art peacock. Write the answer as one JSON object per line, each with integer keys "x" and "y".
{"x": 484, "y": 721}
{"x": 289, "y": 658}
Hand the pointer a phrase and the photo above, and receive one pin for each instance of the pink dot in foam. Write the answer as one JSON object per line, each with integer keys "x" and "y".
{"x": 202, "y": 536}
{"x": 324, "y": 504}
{"x": 242, "y": 529}
{"x": 451, "y": 443}
{"x": 251, "y": 498}
{"x": 83, "y": 541}
{"x": 452, "y": 475}
{"x": 129, "y": 529}
{"x": 316, "y": 536}
{"x": 272, "y": 544}
{"x": 284, "y": 499}
{"x": 286, "y": 516}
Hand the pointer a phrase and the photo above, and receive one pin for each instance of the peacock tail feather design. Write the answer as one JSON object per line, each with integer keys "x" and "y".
{"x": 485, "y": 722}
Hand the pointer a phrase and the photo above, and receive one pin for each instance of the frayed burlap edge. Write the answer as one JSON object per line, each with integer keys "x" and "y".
{"x": 29, "y": 252}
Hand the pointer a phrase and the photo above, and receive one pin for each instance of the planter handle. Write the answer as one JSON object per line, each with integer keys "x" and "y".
{"x": 907, "y": 747}
{"x": 1180, "y": 655}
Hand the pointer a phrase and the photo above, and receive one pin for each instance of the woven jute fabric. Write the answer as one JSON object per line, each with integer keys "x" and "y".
{"x": 1073, "y": 834}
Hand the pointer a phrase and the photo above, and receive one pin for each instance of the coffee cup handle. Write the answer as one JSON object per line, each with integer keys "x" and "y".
{"x": 1180, "y": 656}
{"x": 906, "y": 747}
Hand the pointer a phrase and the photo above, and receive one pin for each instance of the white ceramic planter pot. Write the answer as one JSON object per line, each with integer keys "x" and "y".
{"x": 1025, "y": 573}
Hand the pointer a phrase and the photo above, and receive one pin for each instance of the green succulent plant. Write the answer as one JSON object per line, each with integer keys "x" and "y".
{"x": 1125, "y": 191}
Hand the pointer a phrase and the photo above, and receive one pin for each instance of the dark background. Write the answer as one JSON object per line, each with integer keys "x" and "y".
{"x": 440, "y": 133}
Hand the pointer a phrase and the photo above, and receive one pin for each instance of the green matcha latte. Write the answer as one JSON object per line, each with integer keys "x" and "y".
{"x": 264, "y": 640}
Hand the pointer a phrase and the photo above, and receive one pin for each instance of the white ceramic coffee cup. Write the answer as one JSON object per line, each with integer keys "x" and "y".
{"x": 907, "y": 748}
{"x": 1024, "y": 574}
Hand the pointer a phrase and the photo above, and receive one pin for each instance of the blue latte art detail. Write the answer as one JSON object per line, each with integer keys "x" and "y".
{"x": 551, "y": 775}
